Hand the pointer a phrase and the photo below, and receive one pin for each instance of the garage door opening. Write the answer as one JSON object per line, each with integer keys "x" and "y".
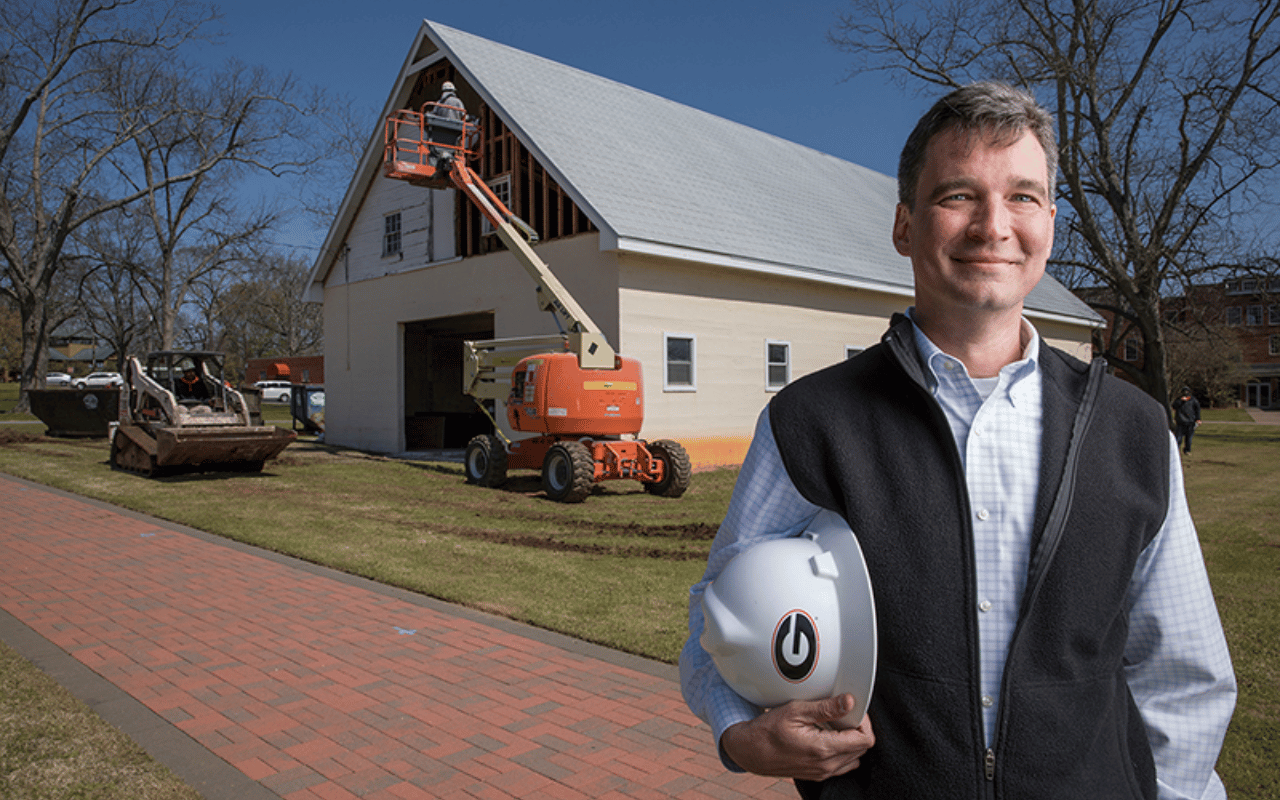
{"x": 437, "y": 413}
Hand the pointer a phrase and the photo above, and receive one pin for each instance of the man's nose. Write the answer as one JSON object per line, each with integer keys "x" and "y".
{"x": 991, "y": 221}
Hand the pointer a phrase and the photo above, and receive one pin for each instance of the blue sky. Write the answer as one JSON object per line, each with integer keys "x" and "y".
{"x": 764, "y": 64}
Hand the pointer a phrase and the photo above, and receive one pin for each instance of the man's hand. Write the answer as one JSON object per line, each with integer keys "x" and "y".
{"x": 796, "y": 740}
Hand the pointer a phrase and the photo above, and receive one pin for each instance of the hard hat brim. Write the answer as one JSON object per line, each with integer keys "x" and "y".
{"x": 857, "y": 673}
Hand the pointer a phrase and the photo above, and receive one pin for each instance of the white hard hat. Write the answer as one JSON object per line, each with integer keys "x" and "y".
{"x": 448, "y": 87}
{"x": 794, "y": 619}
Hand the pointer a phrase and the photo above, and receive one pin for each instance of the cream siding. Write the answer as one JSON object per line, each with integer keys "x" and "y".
{"x": 732, "y": 315}
{"x": 364, "y": 322}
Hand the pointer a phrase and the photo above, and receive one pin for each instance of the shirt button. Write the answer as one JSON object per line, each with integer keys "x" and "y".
{"x": 985, "y": 605}
{"x": 987, "y": 702}
{"x": 983, "y": 514}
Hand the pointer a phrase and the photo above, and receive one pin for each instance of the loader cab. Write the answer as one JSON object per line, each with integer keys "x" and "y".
{"x": 194, "y": 378}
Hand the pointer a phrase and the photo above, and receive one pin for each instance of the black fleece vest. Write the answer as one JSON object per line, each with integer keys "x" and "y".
{"x": 866, "y": 439}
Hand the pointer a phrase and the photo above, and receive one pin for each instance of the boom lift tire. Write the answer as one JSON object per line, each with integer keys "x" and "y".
{"x": 568, "y": 472}
{"x": 486, "y": 461}
{"x": 678, "y": 469}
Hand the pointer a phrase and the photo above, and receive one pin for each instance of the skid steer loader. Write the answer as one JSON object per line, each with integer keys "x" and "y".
{"x": 177, "y": 414}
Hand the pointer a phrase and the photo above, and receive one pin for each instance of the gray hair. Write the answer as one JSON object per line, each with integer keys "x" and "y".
{"x": 996, "y": 110}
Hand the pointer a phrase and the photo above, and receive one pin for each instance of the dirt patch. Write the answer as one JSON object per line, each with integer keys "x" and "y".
{"x": 562, "y": 546}
{"x": 10, "y": 436}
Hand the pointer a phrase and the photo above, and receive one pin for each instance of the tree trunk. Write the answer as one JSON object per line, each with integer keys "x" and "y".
{"x": 35, "y": 347}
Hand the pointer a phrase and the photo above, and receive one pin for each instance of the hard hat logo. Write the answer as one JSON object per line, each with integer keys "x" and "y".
{"x": 795, "y": 646}
{"x": 794, "y": 619}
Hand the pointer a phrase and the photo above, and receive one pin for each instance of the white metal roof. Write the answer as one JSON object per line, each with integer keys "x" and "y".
{"x": 660, "y": 177}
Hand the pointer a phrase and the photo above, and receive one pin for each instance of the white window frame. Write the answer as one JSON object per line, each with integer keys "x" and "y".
{"x": 1132, "y": 350}
{"x": 1273, "y": 314}
{"x": 1273, "y": 344}
{"x": 667, "y": 385}
{"x": 769, "y": 384}
{"x": 392, "y": 234}
{"x": 1253, "y": 316}
{"x": 501, "y": 188}
{"x": 1235, "y": 315}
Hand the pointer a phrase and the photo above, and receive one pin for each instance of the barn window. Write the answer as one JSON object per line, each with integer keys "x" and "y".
{"x": 679, "y": 374}
{"x": 502, "y": 190}
{"x": 391, "y": 234}
{"x": 777, "y": 364}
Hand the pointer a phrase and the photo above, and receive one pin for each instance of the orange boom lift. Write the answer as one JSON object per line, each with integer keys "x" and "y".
{"x": 584, "y": 402}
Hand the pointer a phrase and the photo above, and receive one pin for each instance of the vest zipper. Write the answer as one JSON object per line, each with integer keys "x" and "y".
{"x": 989, "y": 764}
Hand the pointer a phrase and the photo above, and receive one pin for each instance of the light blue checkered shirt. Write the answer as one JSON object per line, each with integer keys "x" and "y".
{"x": 1179, "y": 670}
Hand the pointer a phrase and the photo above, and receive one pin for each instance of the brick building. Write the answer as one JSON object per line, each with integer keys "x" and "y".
{"x": 307, "y": 370}
{"x": 1251, "y": 307}
{"x": 1242, "y": 312}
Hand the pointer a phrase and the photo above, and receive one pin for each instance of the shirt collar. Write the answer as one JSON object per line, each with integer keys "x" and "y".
{"x": 941, "y": 369}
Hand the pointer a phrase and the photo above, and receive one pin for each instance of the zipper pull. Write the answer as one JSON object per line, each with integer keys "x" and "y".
{"x": 989, "y": 764}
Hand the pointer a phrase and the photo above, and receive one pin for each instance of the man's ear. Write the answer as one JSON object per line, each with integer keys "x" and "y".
{"x": 902, "y": 230}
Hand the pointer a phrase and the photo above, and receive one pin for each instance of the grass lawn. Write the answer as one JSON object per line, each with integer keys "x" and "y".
{"x": 53, "y": 746}
{"x": 616, "y": 569}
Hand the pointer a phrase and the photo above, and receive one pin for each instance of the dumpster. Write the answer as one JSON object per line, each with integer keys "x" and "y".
{"x": 76, "y": 412}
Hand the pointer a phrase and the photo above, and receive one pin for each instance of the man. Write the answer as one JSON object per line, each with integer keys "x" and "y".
{"x": 191, "y": 386}
{"x": 1045, "y": 624}
{"x": 1186, "y": 418}
{"x": 449, "y": 106}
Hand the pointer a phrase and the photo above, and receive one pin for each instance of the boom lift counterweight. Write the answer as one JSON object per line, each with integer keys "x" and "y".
{"x": 584, "y": 400}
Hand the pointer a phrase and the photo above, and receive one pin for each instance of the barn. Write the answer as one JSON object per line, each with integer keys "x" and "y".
{"x": 728, "y": 260}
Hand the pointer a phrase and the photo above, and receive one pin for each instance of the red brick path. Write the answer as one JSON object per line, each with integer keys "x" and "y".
{"x": 321, "y": 688}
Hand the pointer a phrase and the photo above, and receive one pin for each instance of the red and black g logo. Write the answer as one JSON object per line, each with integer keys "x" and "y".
{"x": 795, "y": 646}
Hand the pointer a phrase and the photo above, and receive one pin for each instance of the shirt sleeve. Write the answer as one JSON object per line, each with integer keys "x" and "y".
{"x": 765, "y": 505}
{"x": 1177, "y": 663}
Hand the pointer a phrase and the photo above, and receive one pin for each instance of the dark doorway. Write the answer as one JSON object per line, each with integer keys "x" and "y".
{"x": 437, "y": 413}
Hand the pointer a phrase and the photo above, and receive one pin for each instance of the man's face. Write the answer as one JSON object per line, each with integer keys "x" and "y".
{"x": 982, "y": 227}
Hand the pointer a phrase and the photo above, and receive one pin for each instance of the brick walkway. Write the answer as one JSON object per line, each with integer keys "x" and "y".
{"x": 315, "y": 685}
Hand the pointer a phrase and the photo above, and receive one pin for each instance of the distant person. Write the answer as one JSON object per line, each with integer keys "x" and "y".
{"x": 449, "y": 106}
{"x": 191, "y": 386}
{"x": 1186, "y": 417}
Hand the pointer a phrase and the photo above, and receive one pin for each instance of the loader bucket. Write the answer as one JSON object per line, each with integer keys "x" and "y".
{"x": 246, "y": 446}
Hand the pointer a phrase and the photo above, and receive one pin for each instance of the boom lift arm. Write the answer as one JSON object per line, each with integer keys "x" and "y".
{"x": 585, "y": 400}
{"x": 417, "y": 151}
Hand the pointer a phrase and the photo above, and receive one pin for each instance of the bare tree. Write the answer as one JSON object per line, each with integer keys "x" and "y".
{"x": 116, "y": 247}
{"x": 1167, "y": 124}
{"x": 1209, "y": 359}
{"x": 247, "y": 117}
{"x": 98, "y": 114}
{"x": 62, "y": 63}
{"x": 264, "y": 315}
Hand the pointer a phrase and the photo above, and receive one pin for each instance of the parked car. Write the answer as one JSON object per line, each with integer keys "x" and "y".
{"x": 275, "y": 391}
{"x": 54, "y": 379}
{"x": 100, "y": 380}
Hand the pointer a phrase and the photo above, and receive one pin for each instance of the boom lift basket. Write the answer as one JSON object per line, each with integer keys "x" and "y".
{"x": 421, "y": 146}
